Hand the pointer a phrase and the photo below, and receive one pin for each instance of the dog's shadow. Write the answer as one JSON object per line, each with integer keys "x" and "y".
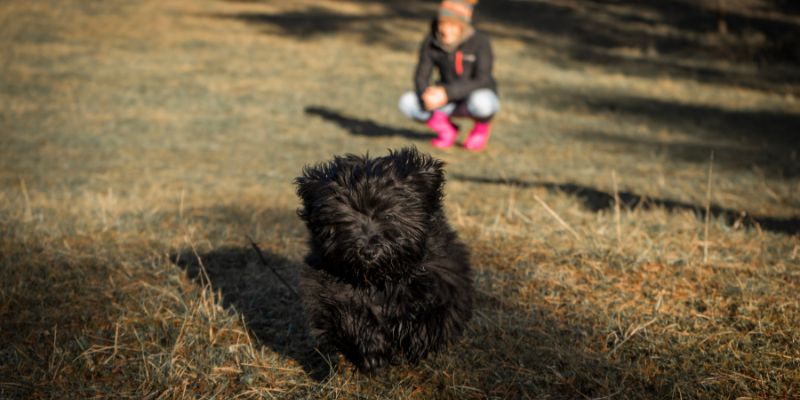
{"x": 269, "y": 305}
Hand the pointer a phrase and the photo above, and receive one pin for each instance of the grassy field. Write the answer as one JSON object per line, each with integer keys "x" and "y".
{"x": 142, "y": 143}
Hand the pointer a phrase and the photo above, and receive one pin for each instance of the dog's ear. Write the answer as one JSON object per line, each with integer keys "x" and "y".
{"x": 315, "y": 183}
{"x": 322, "y": 181}
{"x": 313, "y": 178}
{"x": 422, "y": 171}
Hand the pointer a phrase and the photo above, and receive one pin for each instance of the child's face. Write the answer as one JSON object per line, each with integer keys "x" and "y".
{"x": 449, "y": 31}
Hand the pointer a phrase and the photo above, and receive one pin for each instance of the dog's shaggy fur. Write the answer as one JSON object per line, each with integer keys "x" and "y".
{"x": 388, "y": 275}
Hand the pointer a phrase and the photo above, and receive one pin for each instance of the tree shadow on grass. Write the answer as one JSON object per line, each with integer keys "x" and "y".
{"x": 772, "y": 159}
{"x": 596, "y": 200}
{"x": 740, "y": 138}
{"x": 315, "y": 21}
{"x": 676, "y": 37}
{"x": 762, "y": 129}
{"x": 364, "y": 127}
{"x": 650, "y": 39}
{"x": 270, "y": 309}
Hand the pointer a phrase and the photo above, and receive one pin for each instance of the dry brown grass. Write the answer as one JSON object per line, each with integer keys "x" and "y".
{"x": 141, "y": 143}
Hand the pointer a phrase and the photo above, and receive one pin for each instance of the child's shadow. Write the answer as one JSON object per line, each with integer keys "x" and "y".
{"x": 271, "y": 310}
{"x": 364, "y": 127}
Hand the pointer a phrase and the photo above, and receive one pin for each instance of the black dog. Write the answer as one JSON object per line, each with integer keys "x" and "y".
{"x": 388, "y": 275}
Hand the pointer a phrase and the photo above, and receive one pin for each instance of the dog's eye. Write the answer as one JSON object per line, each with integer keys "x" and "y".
{"x": 387, "y": 217}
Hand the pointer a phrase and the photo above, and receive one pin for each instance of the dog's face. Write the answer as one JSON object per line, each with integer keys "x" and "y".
{"x": 368, "y": 216}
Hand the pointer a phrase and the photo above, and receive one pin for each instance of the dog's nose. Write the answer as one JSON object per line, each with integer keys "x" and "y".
{"x": 368, "y": 253}
{"x": 369, "y": 248}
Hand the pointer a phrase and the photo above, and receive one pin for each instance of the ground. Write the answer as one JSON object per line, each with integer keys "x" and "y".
{"x": 633, "y": 223}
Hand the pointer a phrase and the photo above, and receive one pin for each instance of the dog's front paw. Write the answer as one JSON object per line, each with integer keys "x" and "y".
{"x": 374, "y": 358}
{"x": 367, "y": 359}
{"x": 372, "y": 363}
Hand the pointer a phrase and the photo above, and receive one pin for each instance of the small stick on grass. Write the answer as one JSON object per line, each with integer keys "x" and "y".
{"x": 116, "y": 342}
{"x": 631, "y": 332}
{"x": 708, "y": 208}
{"x": 557, "y": 217}
{"x": 274, "y": 271}
{"x": 617, "y": 217}
{"x": 28, "y": 217}
{"x": 205, "y": 281}
{"x": 180, "y": 205}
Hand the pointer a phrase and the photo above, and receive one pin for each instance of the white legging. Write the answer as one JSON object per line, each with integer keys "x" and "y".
{"x": 481, "y": 104}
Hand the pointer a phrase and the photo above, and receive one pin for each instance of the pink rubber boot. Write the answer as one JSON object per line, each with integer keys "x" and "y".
{"x": 479, "y": 136}
{"x": 447, "y": 131}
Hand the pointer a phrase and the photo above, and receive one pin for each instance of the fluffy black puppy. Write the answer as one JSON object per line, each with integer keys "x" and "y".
{"x": 387, "y": 275}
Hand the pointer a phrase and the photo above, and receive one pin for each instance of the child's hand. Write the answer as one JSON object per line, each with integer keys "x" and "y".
{"x": 434, "y": 97}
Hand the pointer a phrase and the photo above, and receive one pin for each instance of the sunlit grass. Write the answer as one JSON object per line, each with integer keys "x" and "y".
{"x": 142, "y": 140}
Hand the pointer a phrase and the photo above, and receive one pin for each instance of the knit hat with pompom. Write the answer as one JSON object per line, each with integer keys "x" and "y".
{"x": 459, "y": 11}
